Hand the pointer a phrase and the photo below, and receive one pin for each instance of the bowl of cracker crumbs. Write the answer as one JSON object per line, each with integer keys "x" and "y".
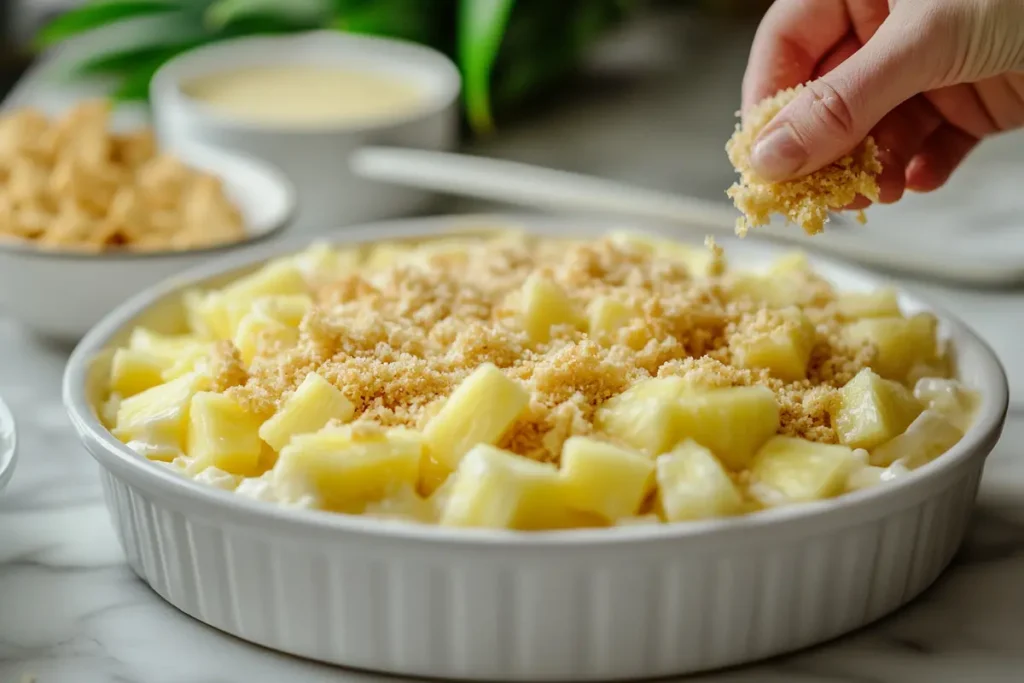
{"x": 90, "y": 216}
{"x": 531, "y": 449}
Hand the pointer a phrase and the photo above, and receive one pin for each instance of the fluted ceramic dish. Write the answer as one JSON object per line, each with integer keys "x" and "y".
{"x": 582, "y": 605}
{"x": 8, "y": 444}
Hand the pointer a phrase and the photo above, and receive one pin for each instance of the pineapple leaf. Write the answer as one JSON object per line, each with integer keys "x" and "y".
{"x": 482, "y": 25}
{"x": 135, "y": 85}
{"x": 289, "y": 13}
{"x": 97, "y": 14}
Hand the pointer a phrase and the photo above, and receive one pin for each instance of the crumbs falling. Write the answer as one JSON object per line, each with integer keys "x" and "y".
{"x": 805, "y": 201}
{"x": 396, "y": 340}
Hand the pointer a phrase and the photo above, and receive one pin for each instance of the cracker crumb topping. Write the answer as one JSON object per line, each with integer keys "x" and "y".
{"x": 805, "y": 201}
{"x": 398, "y": 339}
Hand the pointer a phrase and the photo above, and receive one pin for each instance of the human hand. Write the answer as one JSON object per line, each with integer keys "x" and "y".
{"x": 927, "y": 78}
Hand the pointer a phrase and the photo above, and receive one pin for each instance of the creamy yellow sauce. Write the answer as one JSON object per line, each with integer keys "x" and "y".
{"x": 306, "y": 95}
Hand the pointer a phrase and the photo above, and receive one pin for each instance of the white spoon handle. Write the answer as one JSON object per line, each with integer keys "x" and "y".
{"x": 536, "y": 187}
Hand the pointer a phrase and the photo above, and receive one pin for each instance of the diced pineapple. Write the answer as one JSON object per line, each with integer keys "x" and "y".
{"x": 803, "y": 470}
{"x": 207, "y": 315}
{"x": 882, "y": 303}
{"x": 313, "y": 404}
{"x": 784, "y": 350}
{"x": 900, "y": 342}
{"x": 168, "y": 348}
{"x": 496, "y": 489}
{"x": 794, "y": 262}
{"x": 223, "y": 434}
{"x": 606, "y": 316}
{"x": 134, "y": 371}
{"x": 948, "y": 397}
{"x": 692, "y": 484}
{"x": 479, "y": 411}
{"x": 732, "y": 422}
{"x": 387, "y": 255}
{"x": 872, "y": 410}
{"x": 698, "y": 262}
{"x": 346, "y": 468}
{"x": 220, "y": 312}
{"x": 639, "y": 520}
{"x": 192, "y": 360}
{"x": 321, "y": 263}
{"x": 871, "y": 476}
{"x": 544, "y": 304}
{"x": 604, "y": 479}
{"x": 405, "y": 505}
{"x": 927, "y": 437}
{"x": 272, "y": 322}
{"x": 158, "y": 416}
{"x": 643, "y": 416}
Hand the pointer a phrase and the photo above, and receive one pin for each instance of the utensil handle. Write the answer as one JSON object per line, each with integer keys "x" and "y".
{"x": 534, "y": 186}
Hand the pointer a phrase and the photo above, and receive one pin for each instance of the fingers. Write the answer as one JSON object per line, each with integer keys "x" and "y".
{"x": 792, "y": 39}
{"x": 1003, "y": 99}
{"x": 837, "y": 111}
{"x": 962, "y": 106}
{"x": 941, "y": 153}
{"x": 900, "y": 136}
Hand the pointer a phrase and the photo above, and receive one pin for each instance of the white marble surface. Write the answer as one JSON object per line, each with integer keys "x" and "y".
{"x": 71, "y": 611}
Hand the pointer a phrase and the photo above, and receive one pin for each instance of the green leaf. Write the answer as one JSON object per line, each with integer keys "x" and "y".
{"x": 135, "y": 85}
{"x": 97, "y": 14}
{"x": 482, "y": 25}
{"x": 120, "y": 61}
{"x": 417, "y": 20}
{"x": 288, "y": 13}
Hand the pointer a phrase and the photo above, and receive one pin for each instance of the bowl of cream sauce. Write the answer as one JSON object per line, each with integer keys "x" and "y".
{"x": 305, "y": 103}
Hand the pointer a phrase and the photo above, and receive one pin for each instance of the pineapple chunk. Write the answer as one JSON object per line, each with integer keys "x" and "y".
{"x": 321, "y": 263}
{"x": 133, "y": 371}
{"x": 606, "y": 316}
{"x": 604, "y": 479}
{"x": 644, "y": 416}
{"x": 346, "y": 468}
{"x": 698, "y": 262}
{"x": 223, "y": 434}
{"x": 497, "y": 489}
{"x": 882, "y": 303}
{"x": 544, "y": 304}
{"x": 732, "y": 422}
{"x": 802, "y": 470}
{"x": 479, "y": 411}
{"x": 784, "y": 350}
{"x": 405, "y": 505}
{"x": 948, "y": 397}
{"x": 692, "y": 484}
{"x": 871, "y": 476}
{"x": 207, "y": 317}
{"x": 169, "y": 348}
{"x": 927, "y": 437}
{"x": 900, "y": 342}
{"x": 313, "y": 404}
{"x": 271, "y": 321}
{"x": 222, "y": 311}
{"x": 156, "y": 419}
{"x": 639, "y": 520}
{"x": 872, "y": 410}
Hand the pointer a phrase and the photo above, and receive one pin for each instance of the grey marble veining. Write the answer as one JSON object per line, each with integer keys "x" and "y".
{"x": 72, "y": 612}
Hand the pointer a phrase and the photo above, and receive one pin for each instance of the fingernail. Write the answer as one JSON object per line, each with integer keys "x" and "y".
{"x": 778, "y": 155}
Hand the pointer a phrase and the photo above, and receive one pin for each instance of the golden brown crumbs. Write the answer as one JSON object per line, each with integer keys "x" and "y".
{"x": 397, "y": 340}
{"x": 226, "y": 367}
{"x": 805, "y": 201}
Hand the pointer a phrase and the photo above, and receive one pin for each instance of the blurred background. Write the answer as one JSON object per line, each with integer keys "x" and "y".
{"x": 587, "y": 85}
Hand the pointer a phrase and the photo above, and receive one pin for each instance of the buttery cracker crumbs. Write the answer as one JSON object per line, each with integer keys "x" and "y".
{"x": 805, "y": 201}
{"x": 397, "y": 340}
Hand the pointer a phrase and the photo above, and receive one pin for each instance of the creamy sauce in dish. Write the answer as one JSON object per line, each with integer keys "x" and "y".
{"x": 306, "y": 95}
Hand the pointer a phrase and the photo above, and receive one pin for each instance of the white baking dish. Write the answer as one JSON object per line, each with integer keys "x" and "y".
{"x": 316, "y": 158}
{"x": 581, "y": 605}
{"x": 8, "y": 444}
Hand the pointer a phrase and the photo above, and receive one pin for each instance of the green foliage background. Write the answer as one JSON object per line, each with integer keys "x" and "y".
{"x": 508, "y": 50}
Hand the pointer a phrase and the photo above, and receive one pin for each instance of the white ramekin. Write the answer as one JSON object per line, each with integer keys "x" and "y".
{"x": 8, "y": 444}
{"x": 580, "y": 605}
{"x": 316, "y": 158}
{"x": 60, "y": 294}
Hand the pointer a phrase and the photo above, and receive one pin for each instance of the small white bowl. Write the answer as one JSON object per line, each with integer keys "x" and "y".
{"x": 60, "y": 294}
{"x": 8, "y": 444}
{"x": 316, "y": 158}
{"x": 582, "y": 605}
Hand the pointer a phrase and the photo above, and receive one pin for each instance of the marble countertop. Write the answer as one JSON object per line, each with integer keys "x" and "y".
{"x": 72, "y": 611}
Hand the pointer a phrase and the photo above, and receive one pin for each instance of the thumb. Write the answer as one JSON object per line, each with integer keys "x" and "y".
{"x": 833, "y": 114}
